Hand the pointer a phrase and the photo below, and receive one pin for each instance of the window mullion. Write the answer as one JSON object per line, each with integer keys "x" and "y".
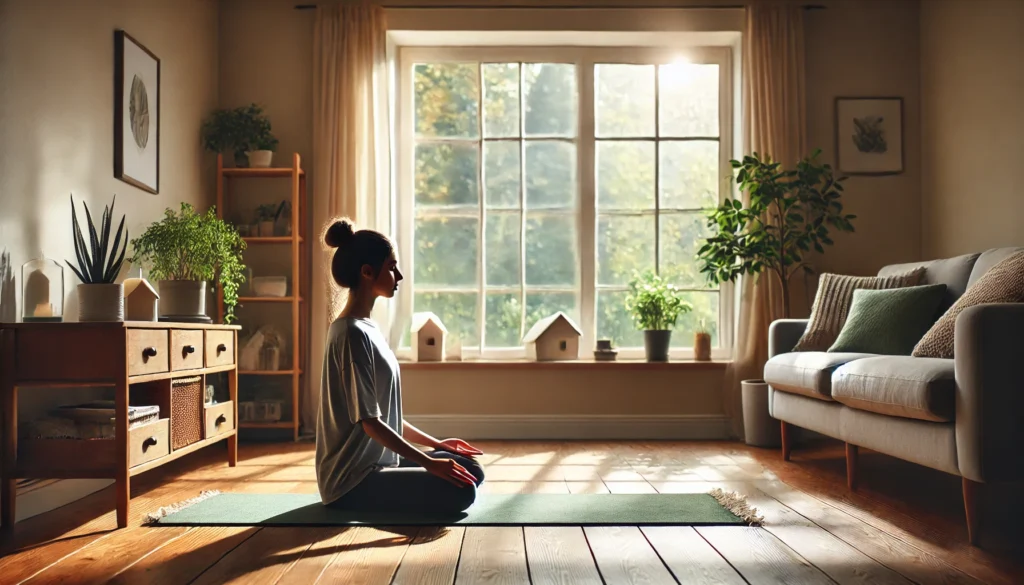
{"x": 657, "y": 170}
{"x": 522, "y": 205}
{"x": 481, "y": 274}
{"x": 588, "y": 202}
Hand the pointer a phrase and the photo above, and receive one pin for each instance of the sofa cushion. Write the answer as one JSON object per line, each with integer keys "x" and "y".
{"x": 832, "y": 303}
{"x": 889, "y": 322}
{"x": 952, "y": 272}
{"x": 808, "y": 372}
{"x": 918, "y": 388}
{"x": 1003, "y": 283}
{"x": 987, "y": 260}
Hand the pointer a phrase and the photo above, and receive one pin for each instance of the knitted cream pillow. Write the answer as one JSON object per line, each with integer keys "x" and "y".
{"x": 1003, "y": 283}
{"x": 832, "y": 304}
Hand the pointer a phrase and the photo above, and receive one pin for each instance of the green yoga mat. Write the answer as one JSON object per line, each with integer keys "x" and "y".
{"x": 489, "y": 510}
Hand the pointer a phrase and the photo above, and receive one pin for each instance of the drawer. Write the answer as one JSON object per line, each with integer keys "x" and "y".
{"x": 220, "y": 418}
{"x": 147, "y": 351}
{"x": 220, "y": 348}
{"x": 186, "y": 349}
{"x": 148, "y": 442}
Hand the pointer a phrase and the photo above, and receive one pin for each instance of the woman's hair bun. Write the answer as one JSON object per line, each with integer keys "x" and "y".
{"x": 339, "y": 234}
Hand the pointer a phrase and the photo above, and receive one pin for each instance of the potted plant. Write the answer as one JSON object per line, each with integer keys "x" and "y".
{"x": 245, "y": 131}
{"x": 100, "y": 298}
{"x": 702, "y": 343}
{"x": 266, "y": 215}
{"x": 184, "y": 251}
{"x": 790, "y": 213}
{"x": 655, "y": 305}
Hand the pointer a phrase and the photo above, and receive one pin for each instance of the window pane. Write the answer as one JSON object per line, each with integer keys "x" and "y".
{"x": 501, "y": 174}
{"x": 446, "y": 251}
{"x": 625, "y": 100}
{"x": 688, "y": 99}
{"x": 705, "y": 306}
{"x": 458, "y": 312}
{"x": 503, "y": 236}
{"x": 501, "y": 99}
{"x": 682, "y": 234}
{"x": 504, "y": 314}
{"x": 549, "y": 91}
{"x": 550, "y": 174}
{"x": 447, "y": 99}
{"x": 624, "y": 244}
{"x": 551, "y": 250}
{"x": 625, "y": 175}
{"x": 689, "y": 174}
{"x": 614, "y": 321}
{"x": 544, "y": 304}
{"x": 446, "y": 174}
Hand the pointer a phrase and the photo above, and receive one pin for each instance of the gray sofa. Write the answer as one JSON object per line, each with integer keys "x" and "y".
{"x": 964, "y": 416}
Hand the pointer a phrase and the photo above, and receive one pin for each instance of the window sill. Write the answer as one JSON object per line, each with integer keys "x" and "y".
{"x": 582, "y": 364}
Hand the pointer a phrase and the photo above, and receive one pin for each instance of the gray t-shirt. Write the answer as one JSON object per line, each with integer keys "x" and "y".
{"x": 360, "y": 381}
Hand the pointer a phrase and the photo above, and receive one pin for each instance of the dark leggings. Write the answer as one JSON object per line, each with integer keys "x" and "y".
{"x": 412, "y": 488}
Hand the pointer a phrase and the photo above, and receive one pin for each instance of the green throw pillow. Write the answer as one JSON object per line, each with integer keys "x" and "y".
{"x": 889, "y": 322}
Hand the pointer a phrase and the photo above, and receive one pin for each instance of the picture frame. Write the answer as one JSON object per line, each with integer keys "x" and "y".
{"x": 869, "y": 135}
{"x": 136, "y": 113}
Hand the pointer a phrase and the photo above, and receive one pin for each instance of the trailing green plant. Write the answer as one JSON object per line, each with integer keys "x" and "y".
{"x": 194, "y": 246}
{"x": 238, "y": 130}
{"x": 789, "y": 214}
{"x": 653, "y": 302}
{"x": 98, "y": 261}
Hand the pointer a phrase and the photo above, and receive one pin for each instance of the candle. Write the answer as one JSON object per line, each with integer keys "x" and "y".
{"x": 43, "y": 310}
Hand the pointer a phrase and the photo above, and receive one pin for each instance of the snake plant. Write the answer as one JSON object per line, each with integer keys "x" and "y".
{"x": 95, "y": 265}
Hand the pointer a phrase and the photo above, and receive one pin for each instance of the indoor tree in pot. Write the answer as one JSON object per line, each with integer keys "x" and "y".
{"x": 245, "y": 131}
{"x": 100, "y": 298}
{"x": 790, "y": 213}
{"x": 184, "y": 251}
{"x": 655, "y": 305}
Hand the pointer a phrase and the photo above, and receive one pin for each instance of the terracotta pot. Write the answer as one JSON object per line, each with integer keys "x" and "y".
{"x": 702, "y": 347}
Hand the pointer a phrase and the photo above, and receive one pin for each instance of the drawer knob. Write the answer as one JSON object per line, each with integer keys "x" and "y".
{"x": 150, "y": 442}
{"x": 220, "y": 419}
{"x": 189, "y": 349}
{"x": 221, "y": 348}
{"x": 149, "y": 352}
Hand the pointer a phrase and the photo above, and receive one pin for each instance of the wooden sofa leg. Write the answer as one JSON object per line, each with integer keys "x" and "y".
{"x": 784, "y": 429}
{"x": 851, "y": 466}
{"x": 971, "y": 494}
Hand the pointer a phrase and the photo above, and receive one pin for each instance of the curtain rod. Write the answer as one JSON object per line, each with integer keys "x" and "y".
{"x": 548, "y": 7}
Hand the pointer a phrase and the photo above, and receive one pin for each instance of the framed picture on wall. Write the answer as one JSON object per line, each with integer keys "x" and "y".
{"x": 869, "y": 135}
{"x": 136, "y": 113}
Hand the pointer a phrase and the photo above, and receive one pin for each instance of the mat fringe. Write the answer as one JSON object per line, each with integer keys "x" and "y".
{"x": 737, "y": 504}
{"x": 164, "y": 511}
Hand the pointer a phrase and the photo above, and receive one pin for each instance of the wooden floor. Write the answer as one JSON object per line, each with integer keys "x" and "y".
{"x": 904, "y": 525}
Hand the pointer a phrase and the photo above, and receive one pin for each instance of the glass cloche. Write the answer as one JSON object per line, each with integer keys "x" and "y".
{"x": 42, "y": 295}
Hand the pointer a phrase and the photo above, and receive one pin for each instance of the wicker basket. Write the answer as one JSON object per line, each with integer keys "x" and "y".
{"x": 186, "y": 411}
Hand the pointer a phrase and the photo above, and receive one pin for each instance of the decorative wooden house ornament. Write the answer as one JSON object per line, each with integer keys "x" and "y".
{"x": 140, "y": 300}
{"x": 428, "y": 338}
{"x": 553, "y": 338}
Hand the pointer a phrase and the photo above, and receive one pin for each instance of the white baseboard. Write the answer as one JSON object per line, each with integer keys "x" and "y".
{"x": 36, "y": 500}
{"x": 582, "y": 426}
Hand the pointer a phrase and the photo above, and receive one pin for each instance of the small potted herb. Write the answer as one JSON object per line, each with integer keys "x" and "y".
{"x": 100, "y": 298}
{"x": 184, "y": 251}
{"x": 245, "y": 131}
{"x": 266, "y": 215}
{"x": 655, "y": 305}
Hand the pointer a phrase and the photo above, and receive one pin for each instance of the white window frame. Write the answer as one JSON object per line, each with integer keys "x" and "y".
{"x": 584, "y": 58}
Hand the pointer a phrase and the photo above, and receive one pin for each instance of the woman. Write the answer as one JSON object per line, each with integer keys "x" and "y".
{"x": 364, "y": 454}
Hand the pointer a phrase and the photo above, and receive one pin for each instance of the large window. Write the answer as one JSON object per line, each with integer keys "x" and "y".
{"x": 538, "y": 180}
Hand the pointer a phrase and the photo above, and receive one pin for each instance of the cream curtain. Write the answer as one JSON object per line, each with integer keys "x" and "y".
{"x": 350, "y": 154}
{"x": 774, "y": 119}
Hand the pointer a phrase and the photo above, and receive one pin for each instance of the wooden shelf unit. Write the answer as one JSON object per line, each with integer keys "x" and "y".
{"x": 300, "y": 266}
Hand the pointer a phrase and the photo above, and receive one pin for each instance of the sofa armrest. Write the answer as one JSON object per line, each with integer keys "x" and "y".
{"x": 989, "y": 351}
{"x": 783, "y": 335}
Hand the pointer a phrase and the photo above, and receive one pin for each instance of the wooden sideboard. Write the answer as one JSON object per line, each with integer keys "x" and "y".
{"x": 139, "y": 360}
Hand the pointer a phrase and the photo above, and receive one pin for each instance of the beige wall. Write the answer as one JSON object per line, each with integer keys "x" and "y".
{"x": 56, "y": 128}
{"x": 972, "y": 82}
{"x": 855, "y": 47}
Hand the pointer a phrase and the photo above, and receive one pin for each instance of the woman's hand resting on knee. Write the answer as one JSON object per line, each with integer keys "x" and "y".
{"x": 450, "y": 471}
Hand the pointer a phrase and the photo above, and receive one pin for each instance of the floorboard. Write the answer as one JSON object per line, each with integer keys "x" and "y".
{"x": 432, "y": 557}
{"x": 559, "y": 555}
{"x": 183, "y": 559}
{"x": 690, "y": 558}
{"x": 493, "y": 555}
{"x": 625, "y": 557}
{"x": 760, "y": 557}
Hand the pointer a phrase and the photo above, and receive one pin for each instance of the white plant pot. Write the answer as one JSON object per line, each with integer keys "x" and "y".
{"x": 182, "y": 298}
{"x": 759, "y": 428}
{"x": 100, "y": 303}
{"x": 260, "y": 159}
